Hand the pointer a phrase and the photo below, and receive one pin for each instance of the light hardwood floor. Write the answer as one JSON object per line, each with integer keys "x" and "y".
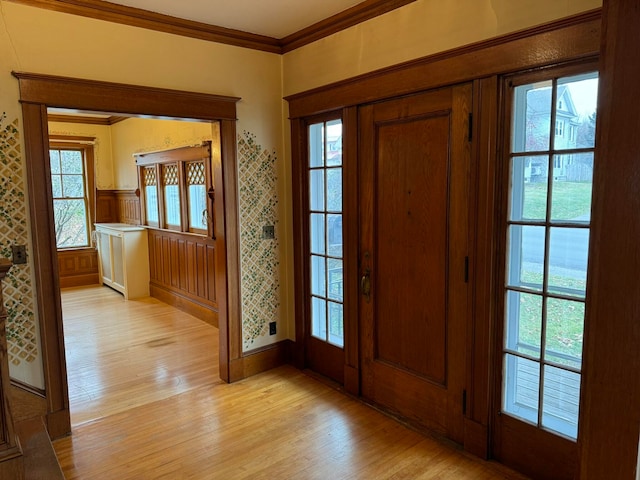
{"x": 147, "y": 403}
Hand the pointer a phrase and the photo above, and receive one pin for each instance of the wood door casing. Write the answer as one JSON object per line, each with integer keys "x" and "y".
{"x": 414, "y": 161}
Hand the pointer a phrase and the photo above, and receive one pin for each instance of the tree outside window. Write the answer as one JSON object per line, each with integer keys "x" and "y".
{"x": 71, "y": 184}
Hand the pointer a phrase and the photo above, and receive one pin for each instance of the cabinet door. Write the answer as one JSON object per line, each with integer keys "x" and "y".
{"x": 117, "y": 259}
{"x": 105, "y": 255}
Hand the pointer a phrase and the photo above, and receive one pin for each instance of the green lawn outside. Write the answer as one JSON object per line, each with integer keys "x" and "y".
{"x": 565, "y": 319}
{"x": 570, "y": 200}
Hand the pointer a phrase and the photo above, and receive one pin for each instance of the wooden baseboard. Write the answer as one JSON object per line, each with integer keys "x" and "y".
{"x": 80, "y": 280}
{"x": 185, "y": 304}
{"x": 352, "y": 380}
{"x": 26, "y": 403}
{"x": 58, "y": 424}
{"x": 40, "y": 461}
{"x": 259, "y": 361}
{"x": 476, "y": 438}
{"x": 12, "y": 464}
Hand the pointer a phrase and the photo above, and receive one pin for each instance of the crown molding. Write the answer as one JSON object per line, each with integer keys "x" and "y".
{"x": 136, "y": 17}
{"x": 357, "y": 14}
{"x": 55, "y": 117}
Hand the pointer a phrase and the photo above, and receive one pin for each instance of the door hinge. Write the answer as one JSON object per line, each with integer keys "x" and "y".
{"x": 470, "y": 126}
{"x": 466, "y": 269}
{"x": 464, "y": 402}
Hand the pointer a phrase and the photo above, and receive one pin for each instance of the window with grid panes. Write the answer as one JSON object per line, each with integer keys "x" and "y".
{"x": 150, "y": 182}
{"x": 171, "y": 196}
{"x": 176, "y": 189}
{"x": 197, "y": 197}
{"x": 71, "y": 195}
{"x": 547, "y": 250}
{"x": 325, "y": 223}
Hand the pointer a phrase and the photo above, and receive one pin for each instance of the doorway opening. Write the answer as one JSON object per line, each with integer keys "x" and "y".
{"x": 37, "y": 93}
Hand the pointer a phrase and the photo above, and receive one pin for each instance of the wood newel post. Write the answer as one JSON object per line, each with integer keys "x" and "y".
{"x": 7, "y": 433}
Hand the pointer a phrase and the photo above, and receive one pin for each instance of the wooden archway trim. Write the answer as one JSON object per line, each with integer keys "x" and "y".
{"x": 37, "y": 92}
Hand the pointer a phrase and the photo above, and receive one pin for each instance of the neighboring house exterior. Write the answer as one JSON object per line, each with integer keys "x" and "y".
{"x": 570, "y": 167}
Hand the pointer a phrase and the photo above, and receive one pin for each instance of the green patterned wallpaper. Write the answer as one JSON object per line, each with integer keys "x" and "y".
{"x": 259, "y": 258}
{"x": 18, "y": 292}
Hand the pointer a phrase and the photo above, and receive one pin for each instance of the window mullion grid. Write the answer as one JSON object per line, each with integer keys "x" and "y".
{"x": 326, "y": 225}
{"x": 547, "y": 247}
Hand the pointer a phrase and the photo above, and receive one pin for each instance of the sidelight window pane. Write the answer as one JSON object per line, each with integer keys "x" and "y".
{"x": 565, "y": 330}
{"x": 576, "y": 101}
{"x": 529, "y": 177}
{"x": 316, "y": 145}
{"x": 318, "y": 276}
{"x": 568, "y": 252}
{"x": 336, "y": 333}
{"x": 334, "y": 235}
{"x": 325, "y": 231}
{"x": 334, "y": 143}
{"x": 526, "y": 256}
{"x": 317, "y": 233}
{"x": 524, "y": 323}
{"x": 548, "y": 247}
{"x": 572, "y": 186}
{"x": 531, "y": 117}
{"x": 316, "y": 190}
{"x": 319, "y": 318}
{"x": 335, "y": 280}
{"x": 561, "y": 401}
{"x": 521, "y": 387}
{"x": 334, "y": 189}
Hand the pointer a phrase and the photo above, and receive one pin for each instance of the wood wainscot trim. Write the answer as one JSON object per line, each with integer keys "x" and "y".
{"x": 107, "y": 206}
{"x": 128, "y": 206}
{"x": 183, "y": 272}
{"x": 260, "y": 360}
{"x": 118, "y": 206}
{"x": 78, "y": 267}
{"x": 564, "y": 40}
{"x": 186, "y": 304}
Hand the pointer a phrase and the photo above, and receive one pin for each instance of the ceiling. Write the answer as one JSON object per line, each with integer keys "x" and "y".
{"x": 272, "y": 18}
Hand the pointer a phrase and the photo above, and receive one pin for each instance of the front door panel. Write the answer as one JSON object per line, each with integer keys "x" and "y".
{"x": 414, "y": 182}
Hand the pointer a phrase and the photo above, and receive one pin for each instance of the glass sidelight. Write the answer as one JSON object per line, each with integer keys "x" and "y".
{"x": 325, "y": 231}
{"x": 551, "y": 171}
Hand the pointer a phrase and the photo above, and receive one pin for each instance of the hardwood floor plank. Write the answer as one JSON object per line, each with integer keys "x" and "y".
{"x": 147, "y": 403}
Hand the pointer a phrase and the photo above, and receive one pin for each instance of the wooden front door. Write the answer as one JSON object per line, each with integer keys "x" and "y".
{"x": 414, "y": 161}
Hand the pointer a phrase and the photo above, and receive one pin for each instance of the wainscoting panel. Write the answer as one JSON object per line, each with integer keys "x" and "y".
{"x": 78, "y": 267}
{"x": 117, "y": 206}
{"x": 128, "y": 207}
{"x": 183, "y": 272}
{"x": 106, "y": 206}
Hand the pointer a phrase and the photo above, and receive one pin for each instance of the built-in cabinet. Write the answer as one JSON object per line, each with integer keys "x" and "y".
{"x": 124, "y": 258}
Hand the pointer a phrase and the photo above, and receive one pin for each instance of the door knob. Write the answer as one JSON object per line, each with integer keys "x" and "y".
{"x": 365, "y": 285}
